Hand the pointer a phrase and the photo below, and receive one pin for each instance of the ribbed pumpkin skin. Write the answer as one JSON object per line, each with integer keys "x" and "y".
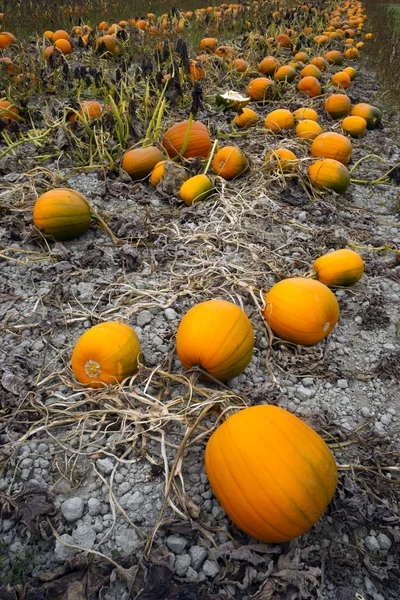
{"x": 199, "y": 144}
{"x": 196, "y": 188}
{"x": 342, "y": 267}
{"x": 279, "y": 120}
{"x": 62, "y": 213}
{"x": 330, "y": 174}
{"x": 310, "y": 86}
{"x": 371, "y": 114}
{"x": 341, "y": 80}
{"x": 268, "y": 65}
{"x": 355, "y": 126}
{"x": 273, "y": 475}
{"x": 106, "y": 354}
{"x": 285, "y": 73}
{"x": 218, "y": 336}
{"x": 338, "y": 105}
{"x": 258, "y": 89}
{"x": 111, "y": 43}
{"x": 301, "y": 310}
{"x": 282, "y": 158}
{"x": 229, "y": 162}
{"x": 139, "y": 162}
{"x": 334, "y": 57}
{"x": 332, "y": 145}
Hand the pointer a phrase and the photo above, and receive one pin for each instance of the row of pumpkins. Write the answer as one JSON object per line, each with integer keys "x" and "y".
{"x": 273, "y": 475}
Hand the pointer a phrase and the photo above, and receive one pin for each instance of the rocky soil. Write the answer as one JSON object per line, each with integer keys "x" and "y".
{"x": 91, "y": 469}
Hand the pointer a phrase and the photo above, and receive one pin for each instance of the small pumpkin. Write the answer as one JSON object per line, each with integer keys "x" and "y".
{"x": 8, "y": 112}
{"x": 139, "y": 162}
{"x": 305, "y": 113}
{"x": 178, "y": 173}
{"x": 334, "y": 57}
{"x": 311, "y": 70}
{"x": 307, "y": 129}
{"x": 354, "y": 126}
{"x": 259, "y": 89}
{"x": 64, "y": 46}
{"x": 208, "y": 44}
{"x": 284, "y": 40}
{"x": 329, "y": 174}
{"x": 338, "y": 105}
{"x": 90, "y": 109}
{"x": 197, "y": 70}
{"x": 246, "y": 118}
{"x": 341, "y": 267}
{"x": 320, "y": 62}
{"x": 351, "y": 72}
{"x": 285, "y": 73}
{"x": 341, "y": 80}
{"x": 106, "y": 354}
{"x": 240, "y": 65}
{"x": 218, "y": 336}
{"x": 332, "y": 145}
{"x": 301, "y": 57}
{"x": 199, "y": 141}
{"x": 310, "y": 86}
{"x": 196, "y": 188}
{"x": 301, "y": 310}
{"x": 229, "y": 162}
{"x": 279, "y": 120}
{"x": 62, "y": 213}
{"x": 273, "y": 475}
{"x": 109, "y": 43}
{"x": 351, "y": 53}
{"x": 61, "y": 34}
{"x": 268, "y": 65}
{"x": 371, "y": 114}
{"x": 282, "y": 159}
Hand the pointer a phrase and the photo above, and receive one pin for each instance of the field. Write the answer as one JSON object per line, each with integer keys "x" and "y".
{"x": 134, "y": 189}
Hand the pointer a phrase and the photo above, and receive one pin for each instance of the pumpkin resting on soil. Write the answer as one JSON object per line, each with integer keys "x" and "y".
{"x": 196, "y": 188}
{"x": 301, "y": 310}
{"x": 342, "y": 267}
{"x": 217, "y": 336}
{"x": 199, "y": 142}
{"x": 139, "y": 162}
{"x": 62, "y": 213}
{"x": 329, "y": 174}
{"x": 332, "y": 145}
{"x": 106, "y": 354}
{"x": 273, "y": 475}
{"x": 229, "y": 162}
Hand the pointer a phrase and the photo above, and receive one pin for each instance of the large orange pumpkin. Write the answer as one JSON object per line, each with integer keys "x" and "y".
{"x": 301, "y": 310}
{"x": 305, "y": 113}
{"x": 139, "y": 162}
{"x": 334, "y": 57}
{"x": 62, "y": 213}
{"x": 329, "y": 174}
{"x": 273, "y": 475}
{"x": 110, "y": 43}
{"x": 259, "y": 89}
{"x": 217, "y": 336}
{"x": 332, "y": 145}
{"x": 199, "y": 142}
{"x": 229, "y": 162}
{"x": 341, "y": 267}
{"x": 338, "y": 105}
{"x": 106, "y": 354}
{"x": 285, "y": 73}
{"x": 310, "y": 86}
{"x": 279, "y": 120}
{"x": 341, "y": 80}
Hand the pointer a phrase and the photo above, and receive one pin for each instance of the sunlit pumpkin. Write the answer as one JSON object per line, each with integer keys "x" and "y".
{"x": 302, "y": 57}
{"x": 334, "y": 57}
{"x": 307, "y": 129}
{"x": 329, "y": 174}
{"x": 338, "y": 105}
{"x": 61, "y": 34}
{"x": 310, "y": 86}
{"x": 279, "y": 120}
{"x": 301, "y": 310}
{"x": 62, "y": 214}
{"x": 259, "y": 89}
{"x": 196, "y": 188}
{"x": 311, "y": 70}
{"x": 106, "y": 354}
{"x": 197, "y": 137}
{"x": 282, "y": 159}
{"x": 305, "y": 113}
{"x": 341, "y": 267}
{"x": 332, "y": 145}
{"x": 218, "y": 336}
{"x": 354, "y": 126}
{"x": 229, "y": 162}
{"x": 109, "y": 43}
{"x": 6, "y": 39}
{"x": 246, "y": 118}
{"x": 273, "y": 475}
{"x": 90, "y": 109}
{"x": 371, "y": 114}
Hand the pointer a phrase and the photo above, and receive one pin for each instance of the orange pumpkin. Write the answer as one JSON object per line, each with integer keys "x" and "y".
{"x": 106, "y": 354}
{"x": 320, "y": 62}
{"x": 285, "y": 73}
{"x": 229, "y": 162}
{"x": 109, "y": 43}
{"x": 8, "y": 112}
{"x": 307, "y": 129}
{"x": 246, "y": 118}
{"x": 268, "y": 65}
{"x": 279, "y": 120}
{"x": 301, "y": 310}
{"x": 310, "y": 86}
{"x": 240, "y": 65}
{"x": 139, "y": 162}
{"x": 337, "y": 105}
{"x": 371, "y": 114}
{"x": 6, "y": 39}
{"x": 197, "y": 70}
{"x": 63, "y": 46}
{"x": 341, "y": 80}
{"x": 48, "y": 35}
{"x": 332, "y": 145}
{"x": 225, "y": 51}
{"x": 329, "y": 174}
{"x": 196, "y": 188}
{"x": 164, "y": 166}
{"x": 334, "y": 57}
{"x": 283, "y": 159}
{"x": 301, "y": 57}
{"x": 273, "y": 475}
{"x": 305, "y": 113}
{"x": 355, "y": 126}
{"x": 311, "y": 70}
{"x": 6, "y": 64}
{"x": 62, "y": 213}
{"x": 90, "y": 109}
{"x": 199, "y": 142}
{"x": 351, "y": 72}
{"x": 341, "y": 267}
{"x": 351, "y": 54}
{"x": 208, "y": 44}
{"x": 60, "y": 34}
{"x": 284, "y": 40}
{"x": 259, "y": 89}
{"x": 217, "y": 336}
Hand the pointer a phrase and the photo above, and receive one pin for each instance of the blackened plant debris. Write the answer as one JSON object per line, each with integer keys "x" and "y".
{"x": 197, "y": 96}
{"x": 33, "y": 507}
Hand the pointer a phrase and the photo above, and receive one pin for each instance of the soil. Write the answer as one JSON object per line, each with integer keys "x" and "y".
{"x": 92, "y": 468}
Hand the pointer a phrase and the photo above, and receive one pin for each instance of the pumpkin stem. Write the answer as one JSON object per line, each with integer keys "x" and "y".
{"x": 120, "y": 126}
{"x": 215, "y": 147}
{"x": 360, "y": 160}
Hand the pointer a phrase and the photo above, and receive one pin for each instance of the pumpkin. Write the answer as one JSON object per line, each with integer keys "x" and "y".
{"x": 229, "y": 162}
{"x": 62, "y": 213}
{"x": 371, "y": 114}
{"x": 61, "y": 34}
{"x": 332, "y": 145}
{"x": 8, "y": 112}
{"x": 218, "y": 336}
{"x": 268, "y": 65}
{"x": 342, "y": 267}
{"x": 199, "y": 142}
{"x": 341, "y": 80}
{"x": 355, "y": 126}
{"x": 90, "y": 109}
{"x": 240, "y": 65}
{"x": 139, "y": 162}
{"x": 310, "y": 86}
{"x": 301, "y": 57}
{"x": 48, "y": 35}
{"x": 63, "y": 46}
{"x": 301, "y": 310}
{"x": 279, "y": 120}
{"x": 106, "y": 354}
{"x": 225, "y": 52}
{"x": 197, "y": 71}
{"x": 329, "y": 174}
{"x": 351, "y": 72}
{"x": 282, "y": 158}
{"x": 109, "y": 43}
{"x": 208, "y": 44}
{"x": 369, "y": 36}
{"x": 196, "y": 188}
{"x": 273, "y": 475}
{"x": 6, "y": 64}
{"x": 246, "y": 118}
{"x": 285, "y": 73}
{"x": 334, "y": 57}
{"x": 231, "y": 99}
{"x": 311, "y": 70}
{"x": 351, "y": 53}
{"x": 161, "y": 168}
{"x": 337, "y": 105}
{"x": 284, "y": 40}
{"x": 307, "y": 129}
{"x": 305, "y": 113}
{"x": 320, "y": 62}
{"x": 259, "y": 89}
{"x": 6, "y": 39}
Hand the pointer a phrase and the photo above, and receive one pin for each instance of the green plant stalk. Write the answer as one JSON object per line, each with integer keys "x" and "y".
{"x": 157, "y": 114}
{"x": 360, "y": 160}
{"x": 214, "y": 147}
{"x": 120, "y": 126}
{"x": 186, "y": 140}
